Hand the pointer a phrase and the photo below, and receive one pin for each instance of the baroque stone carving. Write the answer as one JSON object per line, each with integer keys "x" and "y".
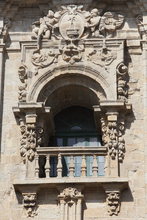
{"x": 113, "y": 137}
{"x": 141, "y": 26}
{"x": 72, "y": 22}
{"x": 42, "y": 60}
{"x": 69, "y": 194}
{"x": 113, "y": 202}
{"x": 29, "y": 203}
{"x": 72, "y": 51}
{"x": 122, "y": 88}
{"x": 104, "y": 57}
{"x": 70, "y": 200}
{"x": 31, "y": 137}
{"x": 6, "y": 23}
{"x": 22, "y": 71}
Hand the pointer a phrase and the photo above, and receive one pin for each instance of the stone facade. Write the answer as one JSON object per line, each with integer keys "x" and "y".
{"x": 56, "y": 54}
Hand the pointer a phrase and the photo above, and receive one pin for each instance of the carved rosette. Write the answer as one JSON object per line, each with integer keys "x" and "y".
{"x": 22, "y": 72}
{"x": 122, "y": 75}
{"x": 113, "y": 202}
{"x": 29, "y": 203}
{"x": 112, "y": 136}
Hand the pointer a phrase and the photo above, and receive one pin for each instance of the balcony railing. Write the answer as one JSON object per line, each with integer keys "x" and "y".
{"x": 70, "y": 162}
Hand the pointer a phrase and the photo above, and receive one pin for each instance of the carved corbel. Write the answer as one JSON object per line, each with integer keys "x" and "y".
{"x": 29, "y": 203}
{"x": 113, "y": 202}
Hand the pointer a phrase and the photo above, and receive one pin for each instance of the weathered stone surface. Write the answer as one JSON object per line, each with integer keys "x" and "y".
{"x": 57, "y": 54}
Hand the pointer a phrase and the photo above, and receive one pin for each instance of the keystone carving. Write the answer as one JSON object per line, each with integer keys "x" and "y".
{"x": 113, "y": 202}
{"x": 72, "y": 51}
{"x": 22, "y": 72}
{"x": 29, "y": 203}
{"x": 73, "y": 22}
{"x": 113, "y": 137}
{"x": 122, "y": 88}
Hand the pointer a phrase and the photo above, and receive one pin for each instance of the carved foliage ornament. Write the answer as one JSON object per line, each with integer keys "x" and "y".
{"x": 73, "y": 22}
{"x": 113, "y": 202}
{"x": 29, "y": 202}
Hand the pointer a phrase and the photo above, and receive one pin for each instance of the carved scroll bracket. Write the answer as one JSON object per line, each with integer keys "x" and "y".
{"x": 29, "y": 203}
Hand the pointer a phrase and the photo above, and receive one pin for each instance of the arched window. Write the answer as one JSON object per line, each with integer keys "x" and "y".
{"x": 75, "y": 126}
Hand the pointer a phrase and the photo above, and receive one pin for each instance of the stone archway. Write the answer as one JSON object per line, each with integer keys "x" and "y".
{"x": 60, "y": 76}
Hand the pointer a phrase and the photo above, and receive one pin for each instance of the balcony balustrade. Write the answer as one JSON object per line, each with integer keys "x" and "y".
{"x": 69, "y": 162}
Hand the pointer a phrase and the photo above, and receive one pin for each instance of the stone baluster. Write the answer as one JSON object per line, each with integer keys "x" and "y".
{"x": 83, "y": 166}
{"x": 47, "y": 166}
{"x": 95, "y": 166}
{"x": 37, "y": 166}
{"x": 71, "y": 167}
{"x": 59, "y": 166}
